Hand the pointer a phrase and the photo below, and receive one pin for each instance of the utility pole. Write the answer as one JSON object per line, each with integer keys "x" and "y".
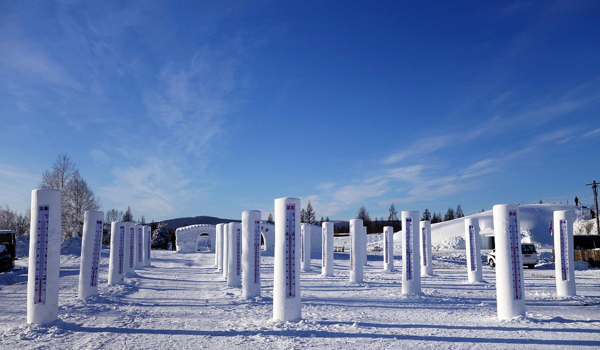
{"x": 595, "y": 189}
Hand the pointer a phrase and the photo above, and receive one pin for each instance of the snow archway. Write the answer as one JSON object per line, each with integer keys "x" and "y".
{"x": 267, "y": 232}
{"x": 187, "y": 237}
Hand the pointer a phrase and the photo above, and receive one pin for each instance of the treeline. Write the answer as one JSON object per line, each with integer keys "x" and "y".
{"x": 13, "y": 221}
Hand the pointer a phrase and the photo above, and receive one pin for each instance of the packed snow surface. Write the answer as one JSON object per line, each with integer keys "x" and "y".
{"x": 182, "y": 302}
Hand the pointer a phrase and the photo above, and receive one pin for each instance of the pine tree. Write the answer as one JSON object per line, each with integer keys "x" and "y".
{"x": 303, "y": 216}
{"x": 327, "y": 219}
{"x": 270, "y": 219}
{"x": 322, "y": 221}
{"x": 449, "y": 215}
{"x": 143, "y": 220}
{"x": 426, "y": 215}
{"x": 310, "y": 216}
{"x": 459, "y": 212}
{"x": 161, "y": 237}
{"x": 128, "y": 216}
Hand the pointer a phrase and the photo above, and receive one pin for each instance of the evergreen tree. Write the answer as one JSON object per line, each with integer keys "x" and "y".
{"x": 322, "y": 221}
{"x": 393, "y": 217}
{"x": 449, "y": 215}
{"x": 310, "y": 215}
{"x": 459, "y": 212}
{"x": 327, "y": 219}
{"x": 363, "y": 214}
{"x": 128, "y": 216}
{"x": 303, "y": 216}
{"x": 143, "y": 220}
{"x": 270, "y": 219}
{"x": 161, "y": 237}
{"x": 426, "y": 215}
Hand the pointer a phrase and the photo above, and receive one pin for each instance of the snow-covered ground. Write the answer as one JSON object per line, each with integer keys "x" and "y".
{"x": 183, "y": 303}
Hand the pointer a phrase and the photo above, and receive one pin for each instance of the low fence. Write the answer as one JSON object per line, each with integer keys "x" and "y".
{"x": 592, "y": 256}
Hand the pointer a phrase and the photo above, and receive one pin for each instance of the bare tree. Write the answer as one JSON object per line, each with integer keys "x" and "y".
{"x": 61, "y": 174}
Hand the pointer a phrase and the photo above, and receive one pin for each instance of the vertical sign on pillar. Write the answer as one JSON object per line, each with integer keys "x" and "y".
{"x": 148, "y": 246}
{"x": 238, "y": 251}
{"x": 515, "y": 255}
{"x": 121, "y": 248}
{"x": 386, "y": 245}
{"x": 324, "y": 247}
{"x": 351, "y": 247}
{"x": 256, "y": 251}
{"x": 564, "y": 251}
{"x": 409, "y": 249}
{"x": 424, "y": 246}
{"x": 140, "y": 244}
{"x": 473, "y": 248}
{"x": 96, "y": 253}
{"x": 131, "y": 247}
{"x": 290, "y": 252}
{"x": 302, "y": 243}
{"x": 41, "y": 267}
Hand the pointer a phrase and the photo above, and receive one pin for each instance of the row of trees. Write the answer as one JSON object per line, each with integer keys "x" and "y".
{"x": 14, "y": 221}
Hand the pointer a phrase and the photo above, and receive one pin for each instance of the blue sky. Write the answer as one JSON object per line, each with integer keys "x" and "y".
{"x": 211, "y": 108}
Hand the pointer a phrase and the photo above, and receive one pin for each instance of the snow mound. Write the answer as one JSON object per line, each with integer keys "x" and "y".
{"x": 451, "y": 243}
{"x": 71, "y": 246}
{"x": 585, "y": 227}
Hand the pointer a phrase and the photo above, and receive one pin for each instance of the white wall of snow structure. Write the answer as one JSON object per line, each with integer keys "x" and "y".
{"x": 327, "y": 249}
{"x": 411, "y": 265}
{"x": 187, "y": 237}
{"x": 564, "y": 253}
{"x": 267, "y": 231}
{"x": 388, "y": 248}
{"x": 216, "y": 246}
{"x": 91, "y": 245}
{"x": 251, "y": 253}
{"x": 147, "y": 245}
{"x": 44, "y": 256}
{"x": 473, "y": 251}
{"x": 425, "y": 246}
{"x": 225, "y": 229}
{"x": 510, "y": 295}
{"x": 234, "y": 254}
{"x": 139, "y": 246}
{"x": 219, "y": 249}
{"x": 116, "y": 262}
{"x": 364, "y": 249}
{"x": 286, "y": 274}
{"x": 305, "y": 239}
{"x": 356, "y": 253}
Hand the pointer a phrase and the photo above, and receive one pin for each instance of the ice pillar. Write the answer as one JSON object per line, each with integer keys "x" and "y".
{"x": 139, "y": 246}
{"x": 411, "y": 266}
{"x": 147, "y": 245}
{"x": 91, "y": 245}
{"x": 327, "y": 250}
{"x": 356, "y": 264}
{"x": 44, "y": 257}
{"x": 563, "y": 248}
{"x": 426, "y": 266}
{"x": 388, "y": 248}
{"x": 510, "y": 296}
{"x": 250, "y": 254}
{"x": 234, "y": 253}
{"x": 225, "y": 232}
{"x": 118, "y": 244}
{"x": 286, "y": 274}
{"x": 473, "y": 250}
{"x": 305, "y": 233}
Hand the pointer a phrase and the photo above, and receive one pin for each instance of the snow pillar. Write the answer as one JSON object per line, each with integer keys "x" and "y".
{"x": 225, "y": 233}
{"x": 563, "y": 248}
{"x": 356, "y": 265}
{"x": 44, "y": 257}
{"x": 388, "y": 248}
{"x": 147, "y": 258}
{"x": 286, "y": 275}
{"x": 426, "y": 266}
{"x": 411, "y": 266}
{"x": 473, "y": 250}
{"x": 327, "y": 250}
{"x": 116, "y": 264}
{"x": 129, "y": 248}
{"x": 250, "y": 254}
{"x": 510, "y": 296}
{"x": 363, "y": 241}
{"x": 215, "y": 247}
{"x": 305, "y": 233}
{"x": 91, "y": 245}
{"x": 234, "y": 253}
{"x": 219, "y": 251}
{"x": 139, "y": 246}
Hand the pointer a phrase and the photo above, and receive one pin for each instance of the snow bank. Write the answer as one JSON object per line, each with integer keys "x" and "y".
{"x": 450, "y": 243}
{"x": 585, "y": 227}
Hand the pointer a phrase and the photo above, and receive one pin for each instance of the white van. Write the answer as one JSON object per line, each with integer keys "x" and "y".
{"x": 528, "y": 255}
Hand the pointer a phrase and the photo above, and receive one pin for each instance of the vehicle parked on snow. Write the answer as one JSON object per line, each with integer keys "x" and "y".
{"x": 528, "y": 255}
{"x": 8, "y": 249}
